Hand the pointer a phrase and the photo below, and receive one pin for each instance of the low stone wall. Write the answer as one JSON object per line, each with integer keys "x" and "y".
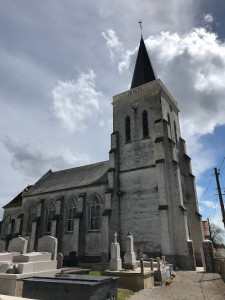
{"x": 220, "y": 266}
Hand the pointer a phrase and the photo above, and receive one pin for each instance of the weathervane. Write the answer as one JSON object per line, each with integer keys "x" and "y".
{"x": 140, "y": 23}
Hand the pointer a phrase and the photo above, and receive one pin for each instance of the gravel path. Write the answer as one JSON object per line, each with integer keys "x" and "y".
{"x": 187, "y": 285}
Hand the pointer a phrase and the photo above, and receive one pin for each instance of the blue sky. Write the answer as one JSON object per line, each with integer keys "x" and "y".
{"x": 62, "y": 61}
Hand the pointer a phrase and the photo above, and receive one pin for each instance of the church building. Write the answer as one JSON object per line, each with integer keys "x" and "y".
{"x": 146, "y": 187}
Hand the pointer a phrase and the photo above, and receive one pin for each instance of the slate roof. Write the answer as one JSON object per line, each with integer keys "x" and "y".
{"x": 17, "y": 201}
{"x": 70, "y": 178}
{"x": 143, "y": 71}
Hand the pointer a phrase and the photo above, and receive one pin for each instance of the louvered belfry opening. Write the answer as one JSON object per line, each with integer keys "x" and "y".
{"x": 127, "y": 129}
{"x": 145, "y": 124}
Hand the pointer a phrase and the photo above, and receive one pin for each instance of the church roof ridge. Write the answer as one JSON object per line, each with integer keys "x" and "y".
{"x": 143, "y": 71}
{"x": 71, "y": 178}
{"x": 84, "y": 166}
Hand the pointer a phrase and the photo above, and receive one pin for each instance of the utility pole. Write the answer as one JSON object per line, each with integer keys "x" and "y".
{"x": 220, "y": 195}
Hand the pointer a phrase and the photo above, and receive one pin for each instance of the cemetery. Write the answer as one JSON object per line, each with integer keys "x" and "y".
{"x": 17, "y": 265}
{"x": 36, "y": 275}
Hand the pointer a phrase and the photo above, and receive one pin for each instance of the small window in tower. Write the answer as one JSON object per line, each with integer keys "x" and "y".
{"x": 175, "y": 132}
{"x": 127, "y": 129}
{"x": 145, "y": 124}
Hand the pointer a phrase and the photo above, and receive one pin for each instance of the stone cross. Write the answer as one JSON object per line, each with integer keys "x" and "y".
{"x": 115, "y": 238}
{"x": 115, "y": 263}
{"x": 129, "y": 257}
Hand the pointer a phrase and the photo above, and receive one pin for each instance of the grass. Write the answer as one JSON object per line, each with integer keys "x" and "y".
{"x": 95, "y": 273}
{"x": 122, "y": 293}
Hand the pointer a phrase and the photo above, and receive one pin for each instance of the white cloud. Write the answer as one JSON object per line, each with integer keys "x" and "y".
{"x": 192, "y": 66}
{"x": 210, "y": 204}
{"x": 77, "y": 100}
{"x": 112, "y": 42}
{"x": 34, "y": 163}
{"x": 101, "y": 123}
{"x": 208, "y": 18}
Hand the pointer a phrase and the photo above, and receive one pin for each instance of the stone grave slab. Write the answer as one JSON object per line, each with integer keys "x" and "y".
{"x": 38, "y": 266}
{"x": 6, "y": 256}
{"x": 66, "y": 287}
{"x": 4, "y": 267}
{"x": 32, "y": 257}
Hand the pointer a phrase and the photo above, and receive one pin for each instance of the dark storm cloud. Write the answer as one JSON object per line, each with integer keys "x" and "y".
{"x": 35, "y": 163}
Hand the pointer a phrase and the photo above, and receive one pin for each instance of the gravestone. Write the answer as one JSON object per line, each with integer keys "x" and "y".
{"x": 115, "y": 263}
{"x": 158, "y": 263}
{"x": 48, "y": 244}
{"x": 59, "y": 260}
{"x": 139, "y": 254}
{"x": 163, "y": 261}
{"x": 18, "y": 244}
{"x": 129, "y": 257}
{"x": 151, "y": 264}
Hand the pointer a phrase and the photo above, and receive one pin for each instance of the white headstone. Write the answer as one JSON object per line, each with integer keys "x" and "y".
{"x": 48, "y": 244}
{"x": 158, "y": 263}
{"x": 115, "y": 263}
{"x": 129, "y": 257}
{"x": 18, "y": 244}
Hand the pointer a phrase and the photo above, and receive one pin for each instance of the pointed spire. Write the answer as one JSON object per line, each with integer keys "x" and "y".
{"x": 143, "y": 71}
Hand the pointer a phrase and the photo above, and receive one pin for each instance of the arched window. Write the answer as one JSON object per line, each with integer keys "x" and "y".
{"x": 127, "y": 129}
{"x": 32, "y": 217}
{"x": 5, "y": 226}
{"x": 175, "y": 132}
{"x": 51, "y": 214}
{"x": 145, "y": 124}
{"x": 95, "y": 213}
{"x": 72, "y": 207}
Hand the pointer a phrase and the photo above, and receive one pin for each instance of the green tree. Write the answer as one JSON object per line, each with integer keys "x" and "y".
{"x": 217, "y": 235}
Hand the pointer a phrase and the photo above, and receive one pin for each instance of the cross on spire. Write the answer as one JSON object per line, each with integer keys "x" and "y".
{"x": 140, "y": 24}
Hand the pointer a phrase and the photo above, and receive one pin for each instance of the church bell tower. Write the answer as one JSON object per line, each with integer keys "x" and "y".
{"x": 154, "y": 193}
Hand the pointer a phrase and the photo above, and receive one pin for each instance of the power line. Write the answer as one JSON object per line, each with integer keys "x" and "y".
{"x": 221, "y": 164}
{"x": 208, "y": 186}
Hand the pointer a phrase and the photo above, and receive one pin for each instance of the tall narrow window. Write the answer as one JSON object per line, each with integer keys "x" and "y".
{"x": 145, "y": 124}
{"x": 5, "y": 226}
{"x": 51, "y": 214}
{"x": 32, "y": 217}
{"x": 95, "y": 213}
{"x": 72, "y": 207}
{"x": 175, "y": 132}
{"x": 127, "y": 129}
